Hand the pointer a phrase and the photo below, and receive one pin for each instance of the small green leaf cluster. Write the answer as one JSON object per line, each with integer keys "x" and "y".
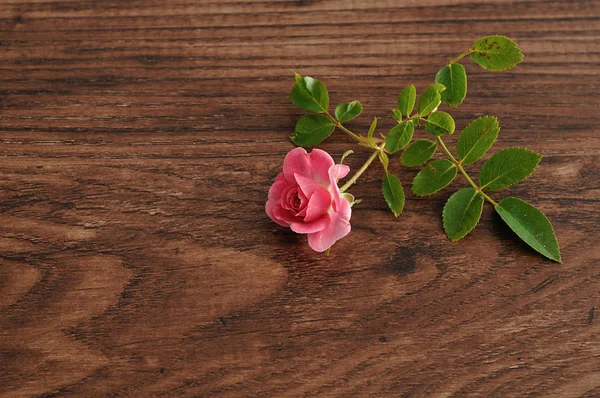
{"x": 463, "y": 209}
{"x": 311, "y": 95}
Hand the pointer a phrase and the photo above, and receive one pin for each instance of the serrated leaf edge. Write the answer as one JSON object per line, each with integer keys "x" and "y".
{"x": 431, "y": 193}
{"x": 401, "y": 187}
{"x": 498, "y": 70}
{"x": 350, "y": 104}
{"x": 406, "y": 125}
{"x": 421, "y": 111}
{"x": 521, "y": 180}
{"x": 439, "y": 126}
{"x": 444, "y": 215}
{"x": 449, "y": 66}
{"x": 301, "y": 80}
{"x": 414, "y": 142}
{"x": 471, "y": 150}
{"x": 551, "y": 228}
{"x": 409, "y": 88}
{"x": 294, "y": 135}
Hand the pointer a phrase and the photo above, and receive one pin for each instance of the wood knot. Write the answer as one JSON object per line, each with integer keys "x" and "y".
{"x": 403, "y": 261}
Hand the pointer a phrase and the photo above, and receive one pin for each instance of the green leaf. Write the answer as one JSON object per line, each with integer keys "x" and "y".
{"x": 348, "y": 111}
{"x": 310, "y": 94}
{"x": 531, "y": 225}
{"x": 406, "y": 100}
{"x": 439, "y": 87}
{"x": 462, "y": 212}
{"x": 399, "y": 136}
{"x": 311, "y": 130}
{"x": 496, "y": 53}
{"x": 393, "y": 193}
{"x": 507, "y": 167}
{"x": 440, "y": 123}
{"x": 454, "y": 78}
{"x": 430, "y": 99}
{"x": 397, "y": 115}
{"x": 418, "y": 153}
{"x": 435, "y": 176}
{"x": 477, "y": 138}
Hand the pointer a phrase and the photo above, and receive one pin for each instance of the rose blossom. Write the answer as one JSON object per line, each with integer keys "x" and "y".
{"x": 306, "y": 198}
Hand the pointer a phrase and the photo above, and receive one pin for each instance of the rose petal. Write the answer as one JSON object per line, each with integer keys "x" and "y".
{"x": 314, "y": 165}
{"x": 342, "y": 207}
{"x": 338, "y": 171}
{"x": 303, "y": 199}
{"x": 307, "y": 185}
{"x": 303, "y": 205}
{"x": 282, "y": 216}
{"x": 318, "y": 205}
{"x": 311, "y": 227}
{"x": 320, "y": 162}
{"x": 296, "y": 161}
{"x": 272, "y": 217}
{"x": 278, "y": 186}
{"x": 288, "y": 198}
{"x": 337, "y": 229}
{"x": 335, "y": 173}
{"x": 274, "y": 195}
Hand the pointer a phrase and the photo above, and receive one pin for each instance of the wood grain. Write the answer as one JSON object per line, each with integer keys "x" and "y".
{"x": 138, "y": 140}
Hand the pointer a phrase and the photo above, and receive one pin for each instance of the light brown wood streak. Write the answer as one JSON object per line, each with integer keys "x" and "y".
{"x": 138, "y": 140}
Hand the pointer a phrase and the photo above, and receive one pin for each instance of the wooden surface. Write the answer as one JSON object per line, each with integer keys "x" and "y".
{"x": 138, "y": 140}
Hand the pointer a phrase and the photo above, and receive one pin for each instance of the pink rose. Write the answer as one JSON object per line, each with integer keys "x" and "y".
{"x": 306, "y": 198}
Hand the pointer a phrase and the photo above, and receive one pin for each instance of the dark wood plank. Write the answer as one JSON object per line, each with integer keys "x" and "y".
{"x": 138, "y": 140}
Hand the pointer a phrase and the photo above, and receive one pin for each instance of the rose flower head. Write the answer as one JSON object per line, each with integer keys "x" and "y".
{"x": 306, "y": 198}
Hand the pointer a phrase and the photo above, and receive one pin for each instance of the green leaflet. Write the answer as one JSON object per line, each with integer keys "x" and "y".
{"x": 462, "y": 212}
{"x": 418, "y": 153}
{"x": 507, "y": 167}
{"x": 399, "y": 136}
{"x": 310, "y": 94}
{"x": 477, "y": 138}
{"x": 531, "y": 225}
{"x": 440, "y": 123}
{"x": 371, "y": 131}
{"x": 393, "y": 193}
{"x": 435, "y": 176}
{"x": 496, "y": 53}
{"x": 430, "y": 99}
{"x": 438, "y": 87}
{"x": 454, "y": 78}
{"x": 406, "y": 100}
{"x": 397, "y": 115}
{"x": 348, "y": 111}
{"x": 311, "y": 130}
